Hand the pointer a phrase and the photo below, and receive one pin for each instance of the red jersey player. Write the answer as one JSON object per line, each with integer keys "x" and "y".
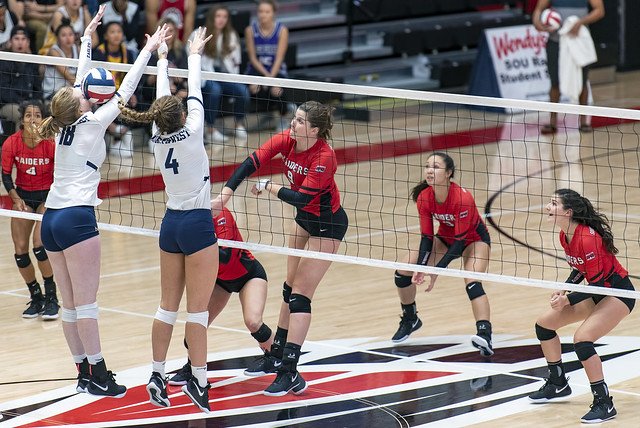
{"x": 320, "y": 224}
{"x": 461, "y": 233}
{"x": 33, "y": 161}
{"x": 586, "y": 237}
{"x": 238, "y": 272}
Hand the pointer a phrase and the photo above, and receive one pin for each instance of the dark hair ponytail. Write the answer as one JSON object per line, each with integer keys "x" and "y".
{"x": 585, "y": 213}
{"x": 449, "y": 166}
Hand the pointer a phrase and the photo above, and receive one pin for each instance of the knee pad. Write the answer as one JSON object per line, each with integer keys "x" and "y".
{"x": 474, "y": 290}
{"x": 544, "y": 333}
{"x": 286, "y": 292}
{"x": 22, "y": 260}
{"x": 87, "y": 311}
{"x": 40, "y": 253}
{"x": 166, "y": 317}
{"x": 402, "y": 281}
{"x": 584, "y": 350}
{"x": 201, "y": 318}
{"x": 299, "y": 304}
{"x": 263, "y": 334}
{"x": 69, "y": 315}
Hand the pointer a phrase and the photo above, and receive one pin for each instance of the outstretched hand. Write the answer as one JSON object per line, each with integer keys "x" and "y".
{"x": 160, "y": 36}
{"x": 196, "y": 45}
{"x": 97, "y": 20}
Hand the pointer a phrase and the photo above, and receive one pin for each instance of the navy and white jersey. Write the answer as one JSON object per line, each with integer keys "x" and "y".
{"x": 80, "y": 147}
{"x": 267, "y": 47}
{"x": 181, "y": 156}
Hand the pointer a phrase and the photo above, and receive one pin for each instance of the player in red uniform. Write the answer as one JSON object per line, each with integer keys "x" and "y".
{"x": 33, "y": 160}
{"x": 320, "y": 224}
{"x": 238, "y": 272}
{"x": 461, "y": 233}
{"x": 586, "y": 237}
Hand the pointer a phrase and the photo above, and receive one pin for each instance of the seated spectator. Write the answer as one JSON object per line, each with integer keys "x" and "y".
{"x": 35, "y": 15}
{"x": 8, "y": 20}
{"x": 181, "y": 12}
{"x": 128, "y": 14}
{"x": 222, "y": 54}
{"x": 267, "y": 41}
{"x": 22, "y": 77}
{"x": 77, "y": 14}
{"x": 58, "y": 76}
{"x": 113, "y": 49}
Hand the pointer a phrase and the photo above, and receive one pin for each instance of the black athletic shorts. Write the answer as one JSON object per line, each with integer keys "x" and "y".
{"x": 553, "y": 64}
{"x": 620, "y": 283}
{"x": 254, "y": 270}
{"x": 327, "y": 225}
{"x": 34, "y": 198}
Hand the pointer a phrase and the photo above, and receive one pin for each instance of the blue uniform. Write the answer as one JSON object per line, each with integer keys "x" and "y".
{"x": 266, "y": 48}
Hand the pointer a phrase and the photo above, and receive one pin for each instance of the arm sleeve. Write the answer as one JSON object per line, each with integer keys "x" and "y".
{"x": 108, "y": 112}
{"x": 7, "y": 180}
{"x": 84, "y": 59}
{"x": 297, "y": 199}
{"x": 454, "y": 251}
{"x": 195, "y": 114}
{"x": 162, "y": 84}
{"x": 575, "y": 277}
{"x": 426, "y": 245}
{"x": 245, "y": 169}
{"x": 577, "y": 297}
{"x": 251, "y": 164}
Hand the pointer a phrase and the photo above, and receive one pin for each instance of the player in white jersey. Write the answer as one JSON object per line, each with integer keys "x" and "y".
{"x": 188, "y": 245}
{"x": 69, "y": 229}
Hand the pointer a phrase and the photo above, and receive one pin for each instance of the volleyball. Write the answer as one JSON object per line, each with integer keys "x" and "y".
{"x": 98, "y": 85}
{"x": 551, "y": 18}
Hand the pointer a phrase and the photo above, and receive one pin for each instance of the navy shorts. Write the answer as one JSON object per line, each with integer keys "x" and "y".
{"x": 327, "y": 225}
{"x": 254, "y": 270}
{"x": 33, "y": 199}
{"x": 64, "y": 227}
{"x": 187, "y": 232}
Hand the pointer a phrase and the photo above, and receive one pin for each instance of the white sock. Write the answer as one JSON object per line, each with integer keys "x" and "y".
{"x": 158, "y": 367}
{"x": 78, "y": 359}
{"x": 95, "y": 359}
{"x": 200, "y": 373}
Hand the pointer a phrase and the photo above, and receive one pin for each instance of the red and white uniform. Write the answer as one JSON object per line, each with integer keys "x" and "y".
{"x": 588, "y": 254}
{"x": 174, "y": 10}
{"x": 226, "y": 228}
{"x": 34, "y": 165}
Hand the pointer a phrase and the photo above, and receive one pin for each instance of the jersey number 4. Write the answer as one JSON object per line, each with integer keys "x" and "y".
{"x": 67, "y": 134}
{"x": 170, "y": 163}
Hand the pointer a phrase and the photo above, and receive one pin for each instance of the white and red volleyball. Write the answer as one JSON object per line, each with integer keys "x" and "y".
{"x": 98, "y": 85}
{"x": 551, "y": 18}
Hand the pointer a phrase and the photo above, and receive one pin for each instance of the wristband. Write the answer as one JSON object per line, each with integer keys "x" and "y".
{"x": 262, "y": 184}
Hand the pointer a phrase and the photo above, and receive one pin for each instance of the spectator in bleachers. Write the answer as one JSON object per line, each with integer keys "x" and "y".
{"x": 267, "y": 40}
{"x": 7, "y": 21}
{"x": 35, "y": 15}
{"x": 113, "y": 49}
{"x": 182, "y": 12}
{"x": 58, "y": 76}
{"x": 222, "y": 54}
{"x": 19, "y": 81}
{"x": 77, "y": 14}
{"x": 128, "y": 14}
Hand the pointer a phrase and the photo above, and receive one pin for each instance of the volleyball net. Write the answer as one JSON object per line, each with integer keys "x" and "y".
{"x": 382, "y": 138}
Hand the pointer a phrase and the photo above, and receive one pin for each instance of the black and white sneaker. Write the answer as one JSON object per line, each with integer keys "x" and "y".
{"x": 601, "y": 410}
{"x": 198, "y": 394}
{"x": 106, "y": 387}
{"x": 157, "y": 389}
{"x": 284, "y": 382}
{"x": 550, "y": 391}
{"x": 83, "y": 382}
{"x": 483, "y": 343}
{"x": 263, "y": 365}
{"x": 182, "y": 376}
{"x": 50, "y": 308}
{"x": 35, "y": 307}
{"x": 407, "y": 326}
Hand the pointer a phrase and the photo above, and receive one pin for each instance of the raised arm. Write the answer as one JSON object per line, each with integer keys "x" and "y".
{"x": 84, "y": 60}
{"x": 195, "y": 107}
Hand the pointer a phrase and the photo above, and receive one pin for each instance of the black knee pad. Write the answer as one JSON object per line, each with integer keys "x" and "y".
{"x": 584, "y": 350}
{"x": 474, "y": 290}
{"x": 286, "y": 292}
{"x": 22, "y": 260}
{"x": 263, "y": 334}
{"x": 544, "y": 333}
{"x": 299, "y": 304}
{"x": 40, "y": 253}
{"x": 402, "y": 281}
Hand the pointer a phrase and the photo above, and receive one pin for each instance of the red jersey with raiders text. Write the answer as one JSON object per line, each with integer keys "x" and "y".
{"x": 226, "y": 228}
{"x": 34, "y": 165}
{"x": 587, "y": 253}
{"x": 458, "y": 215}
{"x": 310, "y": 171}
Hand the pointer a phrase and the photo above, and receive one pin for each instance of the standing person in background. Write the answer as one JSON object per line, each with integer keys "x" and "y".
{"x": 69, "y": 228}
{"x": 566, "y": 8}
{"x": 59, "y": 76}
{"x": 182, "y": 12}
{"x": 267, "y": 41}
{"x": 320, "y": 225}
{"x": 222, "y": 54}
{"x": 585, "y": 236}
{"x": 461, "y": 233}
{"x": 33, "y": 159}
{"x": 188, "y": 243}
{"x": 241, "y": 273}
